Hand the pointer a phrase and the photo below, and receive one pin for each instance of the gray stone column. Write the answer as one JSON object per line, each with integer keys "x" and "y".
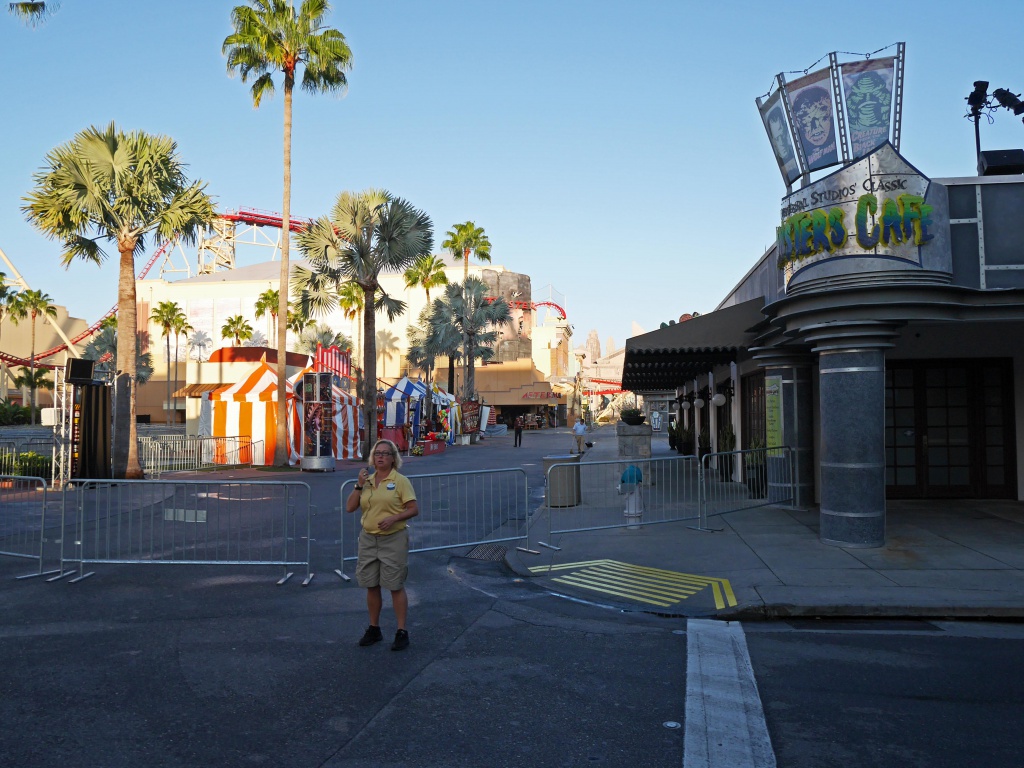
{"x": 794, "y": 368}
{"x": 851, "y": 368}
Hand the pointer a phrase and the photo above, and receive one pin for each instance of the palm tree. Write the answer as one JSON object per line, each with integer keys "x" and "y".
{"x": 7, "y": 295}
{"x": 298, "y": 318}
{"x": 321, "y": 335}
{"x": 368, "y": 233}
{"x": 116, "y": 186}
{"x": 427, "y": 272}
{"x": 267, "y": 304}
{"x": 181, "y": 326}
{"x": 387, "y": 345}
{"x": 199, "y": 344}
{"x": 102, "y": 348}
{"x": 467, "y": 238}
{"x": 31, "y": 304}
{"x": 166, "y": 315}
{"x": 474, "y": 315}
{"x": 33, "y": 13}
{"x": 270, "y": 36}
{"x": 33, "y": 379}
{"x": 238, "y": 328}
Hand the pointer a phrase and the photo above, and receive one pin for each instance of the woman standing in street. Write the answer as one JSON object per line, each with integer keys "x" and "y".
{"x": 387, "y": 501}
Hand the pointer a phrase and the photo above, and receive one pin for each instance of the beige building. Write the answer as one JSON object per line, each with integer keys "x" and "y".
{"x": 527, "y": 356}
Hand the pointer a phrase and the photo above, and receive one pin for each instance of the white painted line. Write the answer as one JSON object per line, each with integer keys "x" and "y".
{"x": 725, "y": 725}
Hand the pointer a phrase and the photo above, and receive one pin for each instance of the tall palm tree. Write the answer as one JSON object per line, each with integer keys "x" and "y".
{"x": 121, "y": 187}
{"x": 465, "y": 239}
{"x": 298, "y": 318}
{"x": 166, "y": 315}
{"x": 33, "y": 13}
{"x": 387, "y": 345}
{"x": 32, "y": 304}
{"x": 270, "y": 36}
{"x": 475, "y": 316}
{"x": 427, "y": 272}
{"x": 368, "y": 233}
{"x": 267, "y": 304}
{"x": 181, "y": 326}
{"x": 237, "y": 328}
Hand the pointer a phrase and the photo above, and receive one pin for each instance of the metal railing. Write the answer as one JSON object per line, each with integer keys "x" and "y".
{"x": 597, "y": 495}
{"x": 20, "y": 460}
{"x": 735, "y": 480}
{"x": 591, "y": 496}
{"x": 187, "y": 523}
{"x": 24, "y": 521}
{"x": 456, "y": 509}
{"x": 181, "y": 453}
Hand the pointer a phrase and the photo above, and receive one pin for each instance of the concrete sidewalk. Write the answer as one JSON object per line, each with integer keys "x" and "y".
{"x": 948, "y": 558}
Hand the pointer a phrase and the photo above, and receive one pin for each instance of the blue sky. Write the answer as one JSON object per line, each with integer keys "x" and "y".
{"x": 610, "y": 150}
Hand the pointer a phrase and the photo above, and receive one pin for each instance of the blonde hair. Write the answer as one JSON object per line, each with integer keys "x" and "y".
{"x": 395, "y": 454}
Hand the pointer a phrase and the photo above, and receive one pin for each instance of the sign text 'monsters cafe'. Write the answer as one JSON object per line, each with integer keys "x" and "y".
{"x": 905, "y": 219}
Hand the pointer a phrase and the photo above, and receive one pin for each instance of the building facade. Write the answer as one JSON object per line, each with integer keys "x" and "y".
{"x": 878, "y": 340}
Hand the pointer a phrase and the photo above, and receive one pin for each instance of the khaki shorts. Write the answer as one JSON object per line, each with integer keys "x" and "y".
{"x": 383, "y": 560}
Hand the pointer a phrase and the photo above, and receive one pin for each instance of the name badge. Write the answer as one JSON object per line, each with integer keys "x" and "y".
{"x": 390, "y": 486}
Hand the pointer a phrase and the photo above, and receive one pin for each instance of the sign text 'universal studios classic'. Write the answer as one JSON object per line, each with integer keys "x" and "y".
{"x": 875, "y": 206}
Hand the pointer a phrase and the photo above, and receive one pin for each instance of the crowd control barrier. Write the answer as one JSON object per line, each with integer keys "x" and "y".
{"x": 456, "y": 509}
{"x": 735, "y": 480}
{"x": 156, "y": 522}
{"x": 27, "y": 521}
{"x": 181, "y": 453}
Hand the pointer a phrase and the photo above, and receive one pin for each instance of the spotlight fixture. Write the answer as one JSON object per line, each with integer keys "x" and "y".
{"x": 978, "y": 97}
{"x": 1009, "y": 100}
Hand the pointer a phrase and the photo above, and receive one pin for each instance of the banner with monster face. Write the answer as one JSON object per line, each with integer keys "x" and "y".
{"x": 867, "y": 86}
{"x": 810, "y": 104}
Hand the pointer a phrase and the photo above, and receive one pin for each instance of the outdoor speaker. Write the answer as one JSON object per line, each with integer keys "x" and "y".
{"x": 78, "y": 371}
{"x": 1001, "y": 162}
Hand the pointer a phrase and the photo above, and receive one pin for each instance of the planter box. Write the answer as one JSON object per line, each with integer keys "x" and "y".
{"x": 432, "y": 446}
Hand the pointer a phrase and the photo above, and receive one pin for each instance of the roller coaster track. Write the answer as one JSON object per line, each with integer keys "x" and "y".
{"x": 12, "y": 360}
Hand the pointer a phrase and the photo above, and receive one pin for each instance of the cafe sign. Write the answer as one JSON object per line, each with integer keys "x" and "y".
{"x": 540, "y": 396}
{"x": 875, "y": 208}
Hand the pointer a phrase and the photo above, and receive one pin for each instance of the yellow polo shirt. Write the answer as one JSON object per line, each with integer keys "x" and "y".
{"x": 388, "y": 499}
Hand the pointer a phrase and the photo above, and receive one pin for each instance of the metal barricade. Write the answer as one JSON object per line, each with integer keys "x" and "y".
{"x": 25, "y": 528}
{"x": 622, "y": 493}
{"x": 181, "y": 453}
{"x": 736, "y": 480}
{"x": 456, "y": 509}
{"x": 188, "y": 523}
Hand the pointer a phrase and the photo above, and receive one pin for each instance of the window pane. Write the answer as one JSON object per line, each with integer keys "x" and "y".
{"x": 994, "y": 475}
{"x": 958, "y": 435}
{"x": 994, "y": 456}
{"x": 958, "y": 417}
{"x": 903, "y": 377}
{"x": 935, "y": 377}
{"x": 904, "y": 397}
{"x": 994, "y": 435}
{"x": 937, "y": 416}
{"x": 906, "y": 476}
{"x": 935, "y": 396}
{"x": 905, "y": 456}
{"x": 960, "y": 476}
{"x": 903, "y": 417}
{"x": 993, "y": 415}
{"x": 937, "y": 457}
{"x": 956, "y": 396}
{"x": 959, "y": 456}
{"x": 956, "y": 377}
{"x": 938, "y": 476}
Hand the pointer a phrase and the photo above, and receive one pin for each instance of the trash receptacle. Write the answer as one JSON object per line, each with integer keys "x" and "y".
{"x": 563, "y": 484}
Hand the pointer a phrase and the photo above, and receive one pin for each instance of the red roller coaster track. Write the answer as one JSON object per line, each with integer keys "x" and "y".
{"x": 12, "y": 360}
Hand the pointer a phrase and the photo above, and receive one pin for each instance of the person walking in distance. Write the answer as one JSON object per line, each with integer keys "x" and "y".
{"x": 387, "y": 501}
{"x": 579, "y": 431}
{"x": 517, "y": 427}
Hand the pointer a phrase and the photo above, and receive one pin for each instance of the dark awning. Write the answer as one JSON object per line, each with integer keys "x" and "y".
{"x": 669, "y": 357}
{"x": 197, "y": 390}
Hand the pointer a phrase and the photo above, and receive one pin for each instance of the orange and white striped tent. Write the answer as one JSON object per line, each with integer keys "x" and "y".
{"x": 345, "y": 441}
{"x": 248, "y": 409}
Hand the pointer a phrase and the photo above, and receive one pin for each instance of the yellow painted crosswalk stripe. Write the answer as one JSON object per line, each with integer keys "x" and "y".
{"x": 655, "y": 586}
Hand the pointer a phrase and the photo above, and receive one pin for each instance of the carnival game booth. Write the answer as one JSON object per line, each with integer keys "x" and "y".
{"x": 403, "y": 406}
{"x": 343, "y": 415}
{"x": 245, "y": 409}
{"x": 246, "y": 412}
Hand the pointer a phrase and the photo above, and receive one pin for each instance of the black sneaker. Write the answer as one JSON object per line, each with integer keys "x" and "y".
{"x": 401, "y": 641}
{"x": 371, "y": 635}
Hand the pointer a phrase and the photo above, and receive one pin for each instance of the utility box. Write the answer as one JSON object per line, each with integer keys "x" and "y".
{"x": 563, "y": 485}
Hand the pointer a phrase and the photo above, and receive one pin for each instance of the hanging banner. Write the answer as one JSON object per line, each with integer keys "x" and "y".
{"x": 867, "y": 86}
{"x": 810, "y": 103}
{"x": 774, "y": 118}
{"x": 773, "y": 411}
{"x": 470, "y": 417}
